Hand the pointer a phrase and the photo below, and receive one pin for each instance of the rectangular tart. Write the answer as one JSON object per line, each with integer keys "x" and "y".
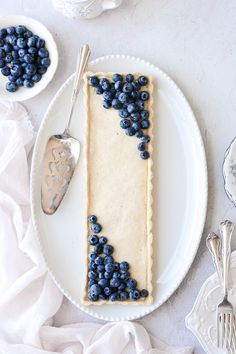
{"x": 118, "y": 188}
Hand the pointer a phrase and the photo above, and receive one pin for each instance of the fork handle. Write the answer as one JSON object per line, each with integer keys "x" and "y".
{"x": 226, "y": 230}
{"x": 213, "y": 243}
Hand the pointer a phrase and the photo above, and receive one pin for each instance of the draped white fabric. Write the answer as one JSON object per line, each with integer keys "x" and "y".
{"x": 29, "y": 298}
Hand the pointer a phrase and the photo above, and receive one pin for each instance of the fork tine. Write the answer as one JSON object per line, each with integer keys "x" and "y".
{"x": 230, "y": 328}
{"x": 220, "y": 322}
{"x": 226, "y": 326}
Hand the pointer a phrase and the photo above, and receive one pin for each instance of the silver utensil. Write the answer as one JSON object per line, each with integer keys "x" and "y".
{"x": 213, "y": 243}
{"x": 225, "y": 314}
{"x": 62, "y": 150}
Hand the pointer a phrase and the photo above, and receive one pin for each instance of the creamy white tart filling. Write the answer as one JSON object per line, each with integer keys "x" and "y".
{"x": 118, "y": 188}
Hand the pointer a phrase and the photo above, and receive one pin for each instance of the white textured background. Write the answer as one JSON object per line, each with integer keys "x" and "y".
{"x": 194, "y": 41}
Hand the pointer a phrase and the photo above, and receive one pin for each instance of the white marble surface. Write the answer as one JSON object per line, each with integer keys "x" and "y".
{"x": 194, "y": 41}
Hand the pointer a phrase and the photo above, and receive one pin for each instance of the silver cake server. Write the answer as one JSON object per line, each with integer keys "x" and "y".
{"x": 62, "y": 150}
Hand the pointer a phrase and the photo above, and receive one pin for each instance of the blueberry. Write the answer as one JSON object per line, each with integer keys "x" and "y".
{"x": 107, "y": 95}
{"x": 124, "y": 295}
{"x": 106, "y": 104}
{"x": 144, "y": 95}
{"x": 99, "y": 90}
{"x": 141, "y": 105}
{"x": 142, "y": 80}
{"x": 31, "y": 41}
{"x": 139, "y": 133}
{"x": 11, "y": 87}
{"x": 123, "y": 113}
{"x": 109, "y": 267}
{"x": 145, "y": 124}
{"x": 93, "y": 81}
{"x": 40, "y": 43}
{"x": 144, "y": 114}
{"x": 144, "y": 155}
{"x": 108, "y": 259}
{"x": 16, "y": 70}
{"x": 41, "y": 70}
{"x": 92, "y": 297}
{"x": 102, "y": 297}
{"x": 134, "y": 95}
{"x": 123, "y": 97}
{"x": 2, "y": 63}
{"x": 116, "y": 275}
{"x": 96, "y": 228}
{"x": 129, "y": 78}
{"x": 101, "y": 268}
{"x": 124, "y": 266}
{"x": 98, "y": 249}
{"x": 91, "y": 282}
{"x": 8, "y": 58}
{"x": 130, "y": 131}
{"x": 28, "y": 83}
{"x": 136, "y": 126}
{"x": 114, "y": 283}
{"x": 131, "y": 283}
{"x": 28, "y": 59}
{"x": 135, "y": 117}
{"x": 125, "y": 123}
{"x": 102, "y": 240}
{"x": 98, "y": 260}
{"x": 20, "y": 29}
{"x": 92, "y": 274}
{"x": 2, "y": 53}
{"x": 107, "y": 250}
{"x": 136, "y": 86}
{"x": 26, "y": 77}
{"x": 107, "y": 291}
{"x": 92, "y": 256}
{"x": 14, "y": 54}
{"x": 104, "y": 83}
{"x": 12, "y": 40}
{"x": 92, "y": 219}
{"x": 145, "y": 138}
{"x": 125, "y": 276}
{"x": 3, "y": 33}
{"x": 117, "y": 77}
{"x": 95, "y": 289}
{"x": 1, "y": 42}
{"x": 116, "y": 104}
{"x": 36, "y": 77}
{"x": 11, "y": 30}
{"x": 5, "y": 71}
{"x": 118, "y": 85}
{"x": 113, "y": 297}
{"x": 141, "y": 146}
{"x": 128, "y": 87}
{"x": 92, "y": 240}
{"x": 117, "y": 266}
{"x": 21, "y": 42}
{"x": 92, "y": 266}
{"x": 33, "y": 51}
{"x": 12, "y": 78}
{"x": 103, "y": 282}
{"x": 16, "y": 62}
{"x": 121, "y": 286}
{"x": 46, "y": 62}
{"x": 19, "y": 81}
{"x": 107, "y": 275}
{"x": 43, "y": 53}
{"x": 132, "y": 107}
{"x": 8, "y": 48}
{"x": 22, "y": 52}
{"x": 134, "y": 295}
{"x": 144, "y": 293}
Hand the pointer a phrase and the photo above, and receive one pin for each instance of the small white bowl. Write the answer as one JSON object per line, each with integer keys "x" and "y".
{"x": 24, "y": 93}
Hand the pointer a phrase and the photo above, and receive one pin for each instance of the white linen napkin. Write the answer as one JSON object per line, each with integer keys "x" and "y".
{"x": 29, "y": 298}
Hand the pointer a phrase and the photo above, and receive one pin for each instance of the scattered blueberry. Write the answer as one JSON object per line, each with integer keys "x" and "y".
{"x": 125, "y": 276}
{"x": 109, "y": 267}
{"x": 113, "y": 297}
{"x": 136, "y": 126}
{"x": 6, "y": 71}
{"x": 3, "y": 33}
{"x": 99, "y": 90}
{"x": 114, "y": 283}
{"x": 116, "y": 104}
{"x": 117, "y": 77}
{"x": 92, "y": 274}
{"x": 2, "y": 63}
{"x": 28, "y": 83}
{"x": 93, "y": 240}
{"x": 145, "y": 124}
{"x": 130, "y": 78}
{"x": 96, "y": 228}
{"x": 124, "y": 266}
{"x": 92, "y": 256}
{"x": 141, "y": 105}
{"x": 101, "y": 268}
{"x": 107, "y": 95}
{"x": 98, "y": 249}
{"x": 144, "y": 155}
{"x": 36, "y": 77}
{"x": 139, "y": 133}
{"x": 102, "y": 240}
{"x": 98, "y": 260}
{"x": 95, "y": 289}
{"x": 107, "y": 275}
{"x": 128, "y": 87}
{"x": 136, "y": 86}
{"x": 144, "y": 114}
{"x": 92, "y": 297}
{"x": 124, "y": 295}
{"x": 8, "y": 48}
{"x": 141, "y": 146}
{"x": 20, "y": 29}
{"x": 19, "y": 81}
{"x": 43, "y": 53}
{"x": 108, "y": 250}
{"x": 118, "y": 86}
{"x": 107, "y": 291}
{"x": 21, "y": 42}
{"x": 143, "y": 81}
{"x": 144, "y": 293}
{"x": 130, "y": 131}
{"x": 116, "y": 275}
{"x": 106, "y": 104}
{"x": 104, "y": 83}
{"x": 92, "y": 219}
{"x": 11, "y": 87}
{"x": 40, "y": 43}
{"x": 123, "y": 113}
{"x": 123, "y": 97}
{"x": 91, "y": 282}
{"x": 108, "y": 259}
{"x": 134, "y": 295}
{"x": 131, "y": 283}
{"x": 45, "y": 62}
{"x": 125, "y": 123}
{"x": 103, "y": 283}
{"x": 144, "y": 95}
{"x": 145, "y": 138}
{"x": 93, "y": 81}
{"x": 132, "y": 107}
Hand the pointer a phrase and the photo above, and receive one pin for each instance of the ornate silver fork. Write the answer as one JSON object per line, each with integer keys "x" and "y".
{"x": 225, "y": 313}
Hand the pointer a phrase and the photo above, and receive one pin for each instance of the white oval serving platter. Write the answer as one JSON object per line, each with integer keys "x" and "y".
{"x": 39, "y": 29}
{"x": 180, "y": 193}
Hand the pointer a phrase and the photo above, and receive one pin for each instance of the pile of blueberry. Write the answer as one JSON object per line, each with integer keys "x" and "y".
{"x": 23, "y": 57}
{"x": 125, "y": 95}
{"x": 107, "y": 279}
